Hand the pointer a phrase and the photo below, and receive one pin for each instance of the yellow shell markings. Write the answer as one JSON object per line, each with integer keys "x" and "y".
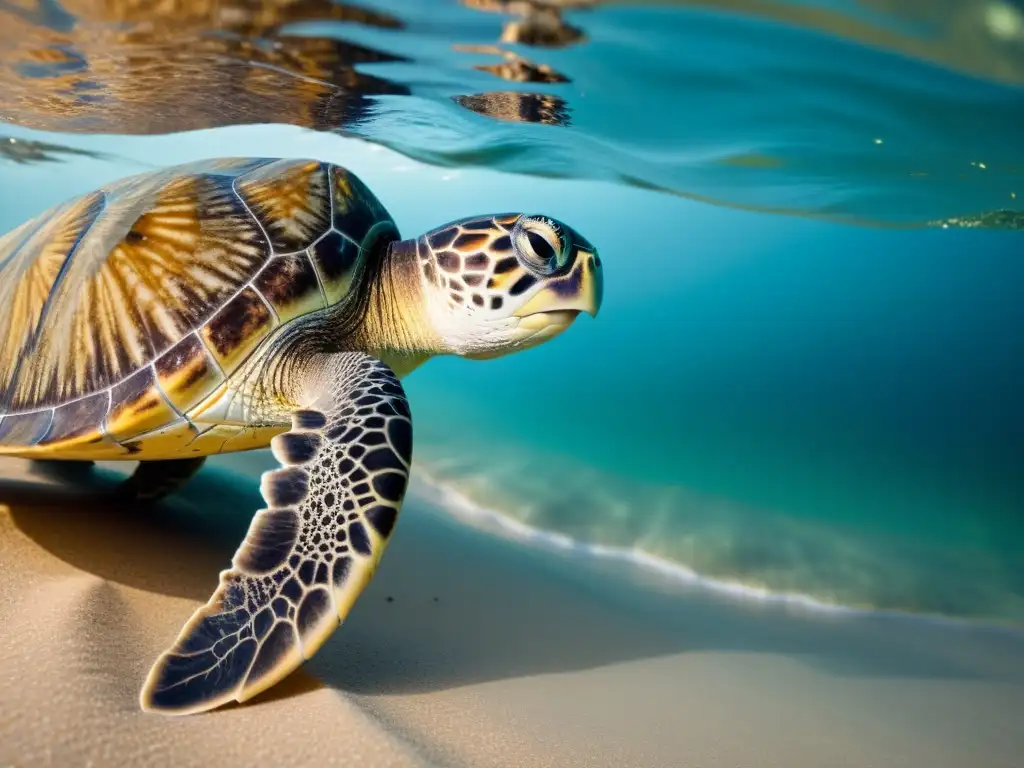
{"x": 292, "y": 202}
{"x": 131, "y": 307}
{"x": 144, "y": 267}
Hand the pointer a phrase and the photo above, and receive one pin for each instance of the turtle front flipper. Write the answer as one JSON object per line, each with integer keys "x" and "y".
{"x": 305, "y": 560}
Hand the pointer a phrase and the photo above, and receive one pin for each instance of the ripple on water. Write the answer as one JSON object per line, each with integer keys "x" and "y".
{"x": 885, "y": 112}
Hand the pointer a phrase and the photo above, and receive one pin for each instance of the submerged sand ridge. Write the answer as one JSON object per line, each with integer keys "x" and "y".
{"x": 467, "y": 650}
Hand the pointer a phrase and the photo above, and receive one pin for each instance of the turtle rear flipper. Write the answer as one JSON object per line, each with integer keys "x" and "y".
{"x": 150, "y": 482}
{"x": 153, "y": 480}
{"x": 71, "y": 472}
{"x": 305, "y": 560}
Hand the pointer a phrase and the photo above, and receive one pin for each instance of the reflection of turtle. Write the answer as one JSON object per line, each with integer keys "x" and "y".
{"x": 516, "y": 106}
{"x": 513, "y": 106}
{"x": 251, "y": 18}
{"x": 514, "y": 67}
{"x": 231, "y": 304}
{"x": 23, "y": 151}
{"x": 540, "y": 22}
{"x": 143, "y": 67}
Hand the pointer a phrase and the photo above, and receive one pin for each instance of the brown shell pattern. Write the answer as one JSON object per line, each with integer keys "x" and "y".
{"x": 125, "y": 307}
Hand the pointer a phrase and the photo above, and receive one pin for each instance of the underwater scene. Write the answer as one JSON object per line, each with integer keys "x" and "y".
{"x": 686, "y": 336}
{"x": 804, "y": 379}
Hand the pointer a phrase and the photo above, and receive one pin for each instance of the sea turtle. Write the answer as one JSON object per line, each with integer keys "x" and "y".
{"x": 236, "y": 303}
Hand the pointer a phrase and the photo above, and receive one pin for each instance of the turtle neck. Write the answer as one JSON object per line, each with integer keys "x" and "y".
{"x": 394, "y": 325}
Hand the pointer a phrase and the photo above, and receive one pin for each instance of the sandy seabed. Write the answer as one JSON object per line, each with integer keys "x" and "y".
{"x": 468, "y": 650}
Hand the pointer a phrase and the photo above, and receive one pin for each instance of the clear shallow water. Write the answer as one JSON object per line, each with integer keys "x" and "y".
{"x": 800, "y": 405}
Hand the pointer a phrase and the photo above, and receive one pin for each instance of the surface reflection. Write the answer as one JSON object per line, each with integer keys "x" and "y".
{"x": 140, "y": 67}
{"x": 514, "y": 106}
{"x": 251, "y": 18}
{"x": 886, "y": 112}
{"x": 513, "y": 67}
{"x": 25, "y": 151}
{"x": 534, "y": 23}
{"x": 538, "y": 23}
{"x": 146, "y": 66}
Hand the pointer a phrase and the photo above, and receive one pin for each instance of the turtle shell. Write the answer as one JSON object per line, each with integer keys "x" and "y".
{"x": 126, "y": 307}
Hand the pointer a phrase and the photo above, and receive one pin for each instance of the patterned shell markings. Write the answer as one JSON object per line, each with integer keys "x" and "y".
{"x": 128, "y": 306}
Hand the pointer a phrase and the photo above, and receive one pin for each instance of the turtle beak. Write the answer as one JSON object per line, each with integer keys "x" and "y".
{"x": 580, "y": 291}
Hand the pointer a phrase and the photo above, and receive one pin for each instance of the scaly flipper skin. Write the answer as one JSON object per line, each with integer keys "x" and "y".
{"x": 305, "y": 560}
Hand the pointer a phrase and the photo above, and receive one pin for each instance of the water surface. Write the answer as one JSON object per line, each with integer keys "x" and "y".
{"x": 896, "y": 113}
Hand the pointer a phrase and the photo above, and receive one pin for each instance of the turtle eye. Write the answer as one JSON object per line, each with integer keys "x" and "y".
{"x": 539, "y": 244}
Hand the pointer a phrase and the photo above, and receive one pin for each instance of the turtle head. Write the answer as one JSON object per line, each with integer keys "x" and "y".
{"x": 498, "y": 284}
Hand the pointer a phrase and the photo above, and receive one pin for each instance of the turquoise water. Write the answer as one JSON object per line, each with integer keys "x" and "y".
{"x": 805, "y": 375}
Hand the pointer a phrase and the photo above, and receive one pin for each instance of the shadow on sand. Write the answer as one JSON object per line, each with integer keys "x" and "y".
{"x": 452, "y": 606}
